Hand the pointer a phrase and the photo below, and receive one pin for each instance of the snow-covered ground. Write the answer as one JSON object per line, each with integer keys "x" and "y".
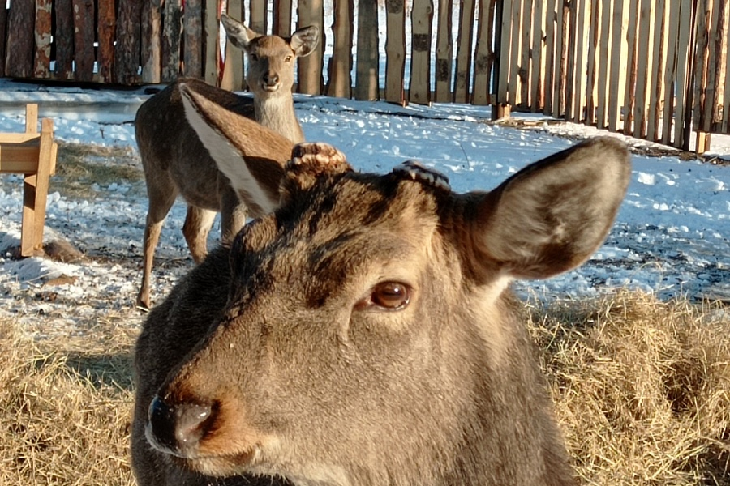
{"x": 671, "y": 236}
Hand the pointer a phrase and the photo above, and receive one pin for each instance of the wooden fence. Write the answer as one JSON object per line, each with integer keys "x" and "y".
{"x": 655, "y": 69}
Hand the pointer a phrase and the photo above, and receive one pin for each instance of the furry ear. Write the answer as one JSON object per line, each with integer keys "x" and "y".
{"x": 551, "y": 216}
{"x": 304, "y": 40}
{"x": 239, "y": 35}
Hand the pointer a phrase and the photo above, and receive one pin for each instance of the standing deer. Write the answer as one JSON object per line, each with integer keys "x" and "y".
{"x": 362, "y": 332}
{"x": 175, "y": 162}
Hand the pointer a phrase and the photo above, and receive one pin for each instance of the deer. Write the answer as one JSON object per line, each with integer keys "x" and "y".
{"x": 175, "y": 161}
{"x": 362, "y": 330}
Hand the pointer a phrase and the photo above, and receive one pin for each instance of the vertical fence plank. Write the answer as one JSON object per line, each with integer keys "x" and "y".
{"x": 619, "y": 52}
{"x": 282, "y": 17}
{"x": 670, "y": 83}
{"x": 421, "y": 20}
{"x": 551, "y": 41}
{"x": 444, "y": 51}
{"x": 463, "y": 52}
{"x": 340, "y": 79}
{"x": 171, "y": 40}
{"x": 310, "y": 67}
{"x": 561, "y": 83}
{"x": 581, "y": 59}
{"x": 3, "y": 37}
{"x": 484, "y": 53}
{"x": 725, "y": 128}
{"x": 84, "y": 39}
{"x": 232, "y": 78}
{"x": 395, "y": 50}
{"x": 514, "y": 52}
{"x": 700, "y": 60}
{"x": 367, "y": 71}
{"x": 42, "y": 39}
{"x": 127, "y": 55}
{"x": 212, "y": 51}
{"x": 716, "y": 35}
{"x": 571, "y": 60}
{"x": 593, "y": 62}
{"x": 642, "y": 73}
{"x": 536, "y": 73}
{"x": 652, "y": 130}
{"x": 259, "y": 17}
{"x": 632, "y": 66}
{"x": 63, "y": 37}
{"x": 505, "y": 51}
{"x": 19, "y": 57}
{"x": 524, "y": 67}
{"x": 193, "y": 30}
{"x": 107, "y": 24}
{"x": 604, "y": 56}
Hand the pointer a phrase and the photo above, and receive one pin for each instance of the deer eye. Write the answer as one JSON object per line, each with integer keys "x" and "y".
{"x": 288, "y": 58}
{"x": 388, "y": 296}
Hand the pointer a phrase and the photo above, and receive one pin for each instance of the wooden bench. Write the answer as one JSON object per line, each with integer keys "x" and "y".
{"x": 34, "y": 155}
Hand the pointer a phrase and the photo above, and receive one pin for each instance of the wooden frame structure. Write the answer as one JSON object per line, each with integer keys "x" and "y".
{"x": 33, "y": 154}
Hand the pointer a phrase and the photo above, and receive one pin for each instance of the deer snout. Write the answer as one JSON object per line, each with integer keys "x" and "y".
{"x": 271, "y": 81}
{"x": 178, "y": 429}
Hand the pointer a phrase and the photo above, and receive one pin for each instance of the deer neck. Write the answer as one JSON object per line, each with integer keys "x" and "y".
{"x": 277, "y": 113}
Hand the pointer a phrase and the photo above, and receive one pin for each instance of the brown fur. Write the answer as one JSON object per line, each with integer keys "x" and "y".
{"x": 176, "y": 162}
{"x": 303, "y": 376}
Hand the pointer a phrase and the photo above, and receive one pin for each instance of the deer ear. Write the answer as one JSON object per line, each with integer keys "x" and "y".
{"x": 250, "y": 155}
{"x": 304, "y": 40}
{"x": 551, "y": 216}
{"x": 239, "y": 35}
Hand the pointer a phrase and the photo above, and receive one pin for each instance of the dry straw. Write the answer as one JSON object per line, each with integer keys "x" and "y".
{"x": 641, "y": 389}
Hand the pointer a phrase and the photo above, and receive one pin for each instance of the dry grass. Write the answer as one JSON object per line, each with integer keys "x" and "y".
{"x": 64, "y": 415}
{"x": 642, "y": 389}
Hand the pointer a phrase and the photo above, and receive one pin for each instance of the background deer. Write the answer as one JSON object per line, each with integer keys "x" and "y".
{"x": 363, "y": 332}
{"x": 176, "y": 163}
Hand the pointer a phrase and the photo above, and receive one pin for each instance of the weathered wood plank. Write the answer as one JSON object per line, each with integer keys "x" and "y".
{"x": 395, "y": 50}
{"x": 604, "y": 57}
{"x": 670, "y": 81}
{"x": 172, "y": 35}
{"x": 107, "y": 24}
{"x": 726, "y": 105}
{"x": 524, "y": 66}
{"x": 462, "y": 89}
{"x": 20, "y": 48}
{"x": 310, "y": 67}
{"x": 514, "y": 55}
{"x": 42, "y": 62}
{"x": 421, "y": 19}
{"x": 444, "y": 51}
{"x": 84, "y": 55}
{"x": 570, "y": 68}
{"x": 561, "y": 53}
{"x": 716, "y": 35}
{"x": 484, "y": 53}
{"x": 550, "y": 57}
{"x": 700, "y": 60}
{"x": 212, "y": 49}
{"x": 63, "y": 37}
{"x": 340, "y": 79}
{"x": 684, "y": 89}
{"x": 259, "y": 19}
{"x": 233, "y": 78}
{"x": 193, "y": 39}
{"x": 581, "y": 60}
{"x": 128, "y": 54}
{"x": 632, "y": 65}
{"x": 3, "y": 38}
{"x": 642, "y": 74}
{"x": 655, "y": 88}
{"x": 619, "y": 52}
{"x": 282, "y": 17}
{"x": 592, "y": 62}
{"x": 367, "y": 71}
{"x": 536, "y": 59}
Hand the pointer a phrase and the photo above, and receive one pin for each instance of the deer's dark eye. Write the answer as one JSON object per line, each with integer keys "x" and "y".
{"x": 288, "y": 58}
{"x": 387, "y": 296}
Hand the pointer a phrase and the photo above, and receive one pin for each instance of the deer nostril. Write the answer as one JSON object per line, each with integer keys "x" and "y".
{"x": 271, "y": 79}
{"x": 178, "y": 428}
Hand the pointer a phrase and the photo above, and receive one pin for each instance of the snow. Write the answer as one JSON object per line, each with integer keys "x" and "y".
{"x": 670, "y": 238}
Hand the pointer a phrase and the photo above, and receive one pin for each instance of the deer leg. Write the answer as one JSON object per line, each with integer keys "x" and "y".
{"x": 196, "y": 228}
{"x": 159, "y": 205}
{"x": 233, "y": 213}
